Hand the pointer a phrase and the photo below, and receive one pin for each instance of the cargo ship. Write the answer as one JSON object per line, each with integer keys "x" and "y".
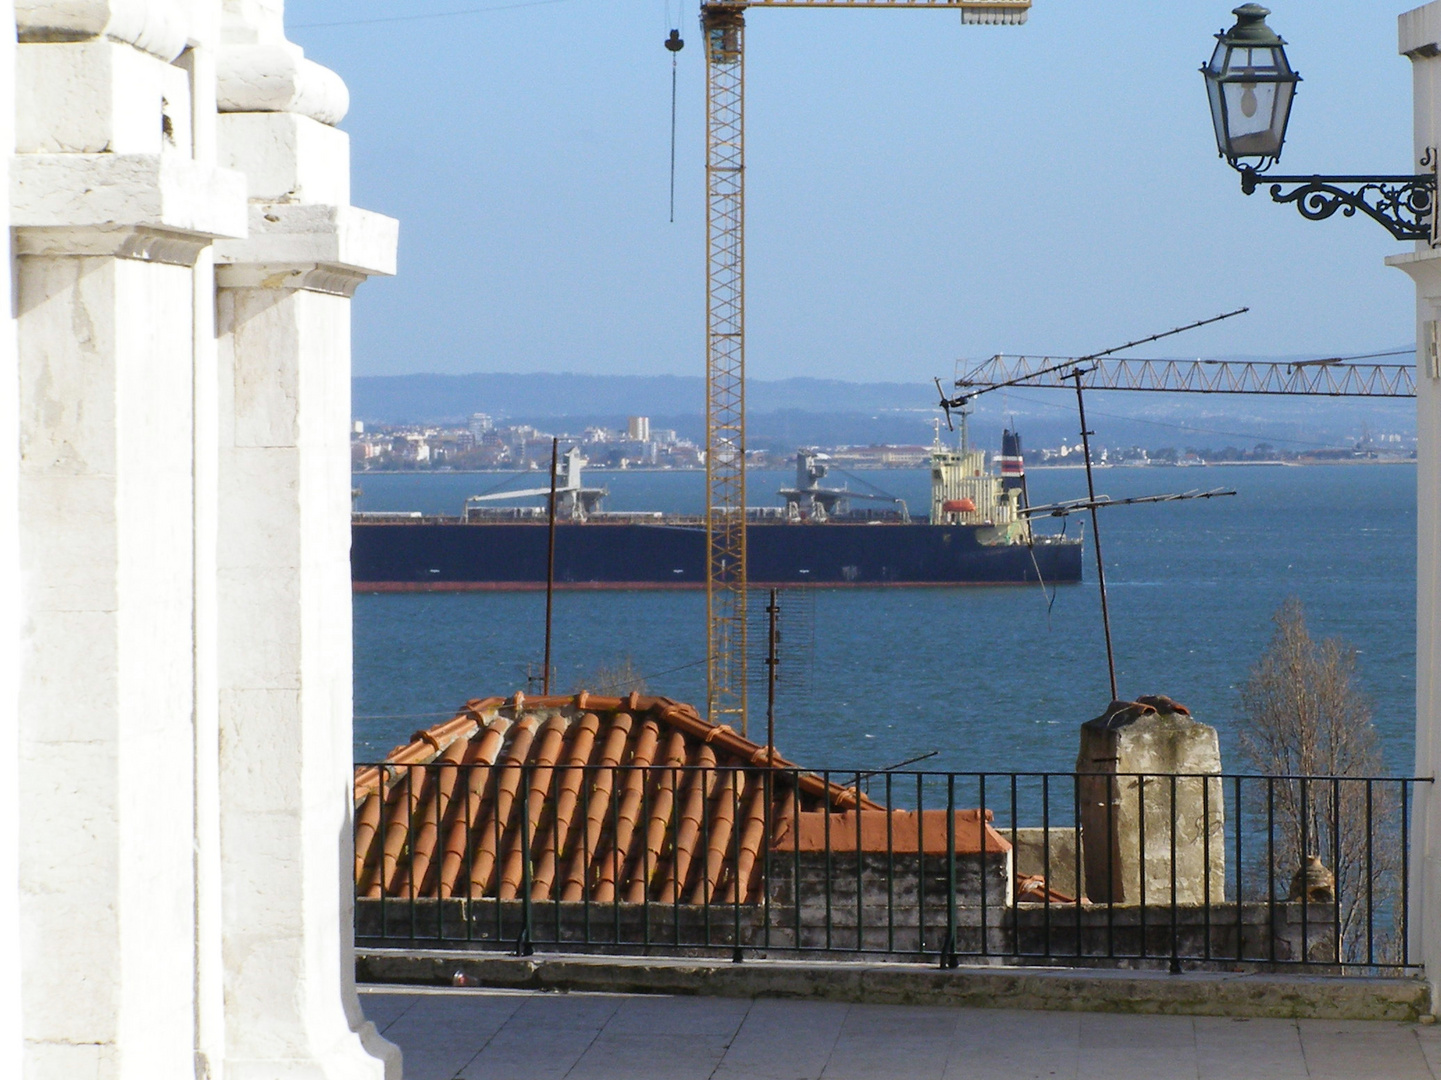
{"x": 976, "y": 533}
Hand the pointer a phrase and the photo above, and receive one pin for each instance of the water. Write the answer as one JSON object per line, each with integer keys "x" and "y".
{"x": 985, "y": 676}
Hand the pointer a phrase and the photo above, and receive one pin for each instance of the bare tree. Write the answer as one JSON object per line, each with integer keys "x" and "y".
{"x": 1307, "y": 723}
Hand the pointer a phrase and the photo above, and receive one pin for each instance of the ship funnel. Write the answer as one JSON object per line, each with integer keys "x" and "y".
{"x": 1013, "y": 465}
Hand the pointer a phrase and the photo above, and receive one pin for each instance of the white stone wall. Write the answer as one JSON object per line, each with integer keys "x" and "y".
{"x": 178, "y": 750}
{"x": 1420, "y": 39}
{"x": 11, "y": 1030}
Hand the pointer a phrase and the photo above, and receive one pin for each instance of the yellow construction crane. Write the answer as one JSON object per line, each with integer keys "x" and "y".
{"x": 723, "y": 26}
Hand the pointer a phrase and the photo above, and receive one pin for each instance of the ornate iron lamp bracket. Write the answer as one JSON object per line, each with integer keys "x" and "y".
{"x": 1404, "y": 205}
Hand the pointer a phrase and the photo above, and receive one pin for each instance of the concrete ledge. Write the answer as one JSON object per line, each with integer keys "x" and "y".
{"x": 1056, "y": 989}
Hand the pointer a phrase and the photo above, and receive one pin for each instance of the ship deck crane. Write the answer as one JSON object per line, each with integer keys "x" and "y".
{"x": 723, "y": 27}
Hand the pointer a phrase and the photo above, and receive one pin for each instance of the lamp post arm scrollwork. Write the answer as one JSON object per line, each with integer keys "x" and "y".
{"x": 1404, "y": 205}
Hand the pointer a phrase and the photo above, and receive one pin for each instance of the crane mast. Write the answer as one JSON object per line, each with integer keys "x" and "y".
{"x": 723, "y": 27}
{"x": 725, "y": 444}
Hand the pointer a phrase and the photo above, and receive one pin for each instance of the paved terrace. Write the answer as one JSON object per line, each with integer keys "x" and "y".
{"x": 527, "y": 1035}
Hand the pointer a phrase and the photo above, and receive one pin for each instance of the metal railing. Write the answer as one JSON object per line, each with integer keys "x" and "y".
{"x": 1085, "y": 869}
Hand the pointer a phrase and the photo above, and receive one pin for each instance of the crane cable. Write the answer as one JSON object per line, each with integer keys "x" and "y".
{"x": 675, "y": 45}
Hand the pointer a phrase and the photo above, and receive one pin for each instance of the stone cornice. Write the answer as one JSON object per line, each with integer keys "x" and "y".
{"x": 120, "y": 242}
{"x": 329, "y": 249}
{"x": 164, "y": 193}
{"x": 276, "y": 77}
{"x": 1424, "y": 268}
{"x": 159, "y": 27}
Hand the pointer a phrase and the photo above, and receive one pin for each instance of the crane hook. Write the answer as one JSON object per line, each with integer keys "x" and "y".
{"x": 674, "y": 42}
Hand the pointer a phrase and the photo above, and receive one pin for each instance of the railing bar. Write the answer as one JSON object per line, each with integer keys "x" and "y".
{"x": 1075, "y": 809}
{"x": 950, "y": 942}
{"x": 1405, "y": 920}
{"x": 890, "y": 869}
{"x": 496, "y": 864}
{"x": 826, "y": 779}
{"x": 437, "y": 852}
{"x": 675, "y": 810}
{"x": 768, "y": 792}
{"x": 1141, "y": 830}
{"x": 1015, "y": 871}
{"x": 555, "y": 847}
{"x": 1336, "y": 864}
{"x": 1305, "y": 849}
{"x": 1271, "y": 865}
{"x": 860, "y": 889}
{"x": 704, "y": 853}
{"x": 984, "y": 872}
{"x": 1206, "y": 857}
{"x": 796, "y": 848}
{"x": 1370, "y": 898}
{"x": 1111, "y": 875}
{"x": 526, "y": 910}
{"x": 1046, "y": 858}
{"x": 408, "y": 849}
{"x": 587, "y": 793}
{"x": 617, "y": 790}
{"x": 1175, "y": 954}
{"x": 737, "y": 827}
{"x": 920, "y": 863}
{"x": 1240, "y": 883}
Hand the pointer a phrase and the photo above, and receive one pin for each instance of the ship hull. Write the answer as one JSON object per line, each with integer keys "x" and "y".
{"x": 412, "y": 557}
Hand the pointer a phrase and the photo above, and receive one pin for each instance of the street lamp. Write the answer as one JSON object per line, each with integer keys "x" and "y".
{"x": 1251, "y": 84}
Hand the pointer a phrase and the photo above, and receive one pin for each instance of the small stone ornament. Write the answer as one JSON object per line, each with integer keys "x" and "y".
{"x": 1313, "y": 883}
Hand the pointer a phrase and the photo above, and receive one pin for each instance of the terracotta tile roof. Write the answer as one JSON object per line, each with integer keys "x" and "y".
{"x": 610, "y": 814}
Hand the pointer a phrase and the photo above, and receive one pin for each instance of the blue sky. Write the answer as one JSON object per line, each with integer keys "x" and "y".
{"x": 918, "y": 190}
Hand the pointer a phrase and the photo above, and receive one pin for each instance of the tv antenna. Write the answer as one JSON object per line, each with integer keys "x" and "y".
{"x": 1073, "y": 370}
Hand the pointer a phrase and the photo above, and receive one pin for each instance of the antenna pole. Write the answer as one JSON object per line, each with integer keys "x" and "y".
{"x": 1096, "y": 533}
{"x": 550, "y": 560}
{"x": 772, "y": 609}
{"x": 1166, "y": 333}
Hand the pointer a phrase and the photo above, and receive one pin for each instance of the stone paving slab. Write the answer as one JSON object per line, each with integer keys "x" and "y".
{"x": 468, "y": 1034}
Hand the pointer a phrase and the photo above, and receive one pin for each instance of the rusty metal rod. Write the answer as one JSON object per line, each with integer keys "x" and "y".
{"x": 550, "y": 561}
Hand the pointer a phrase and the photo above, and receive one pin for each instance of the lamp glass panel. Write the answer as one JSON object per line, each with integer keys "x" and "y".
{"x": 1218, "y": 116}
{"x": 1250, "y": 112}
{"x": 1265, "y": 62}
{"x": 1218, "y": 58}
{"x": 1281, "y": 111}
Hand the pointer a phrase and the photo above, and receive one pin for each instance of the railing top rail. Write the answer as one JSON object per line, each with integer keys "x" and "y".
{"x": 876, "y": 774}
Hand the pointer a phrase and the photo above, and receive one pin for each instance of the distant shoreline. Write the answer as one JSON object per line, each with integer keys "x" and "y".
{"x": 903, "y": 468}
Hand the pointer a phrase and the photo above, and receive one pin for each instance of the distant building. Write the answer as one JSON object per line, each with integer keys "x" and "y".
{"x": 480, "y": 423}
{"x": 637, "y": 428}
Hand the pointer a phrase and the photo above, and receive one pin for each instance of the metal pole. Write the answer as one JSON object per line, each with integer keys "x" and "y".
{"x": 1096, "y": 534}
{"x": 772, "y": 609}
{"x": 550, "y": 561}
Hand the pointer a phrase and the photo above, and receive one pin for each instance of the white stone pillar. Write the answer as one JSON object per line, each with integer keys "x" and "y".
{"x": 111, "y": 212}
{"x": 284, "y": 567}
{"x": 12, "y": 1042}
{"x": 1420, "y": 40}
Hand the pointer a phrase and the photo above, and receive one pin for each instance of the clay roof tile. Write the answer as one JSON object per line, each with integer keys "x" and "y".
{"x": 607, "y": 808}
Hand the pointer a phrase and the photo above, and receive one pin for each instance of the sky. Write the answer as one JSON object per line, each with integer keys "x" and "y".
{"x": 918, "y": 191}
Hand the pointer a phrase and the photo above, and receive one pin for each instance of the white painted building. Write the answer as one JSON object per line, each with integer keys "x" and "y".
{"x": 174, "y": 497}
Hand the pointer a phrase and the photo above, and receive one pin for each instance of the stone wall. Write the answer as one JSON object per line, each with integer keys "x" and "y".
{"x": 181, "y": 490}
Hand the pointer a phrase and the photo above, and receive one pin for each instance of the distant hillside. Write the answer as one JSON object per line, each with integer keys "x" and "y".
{"x": 419, "y": 399}
{"x": 783, "y": 414}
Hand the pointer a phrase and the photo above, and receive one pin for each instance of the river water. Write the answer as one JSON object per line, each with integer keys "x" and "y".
{"x": 994, "y": 678}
